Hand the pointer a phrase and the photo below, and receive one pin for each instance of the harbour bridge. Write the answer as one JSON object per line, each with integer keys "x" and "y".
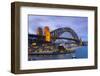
{"x": 43, "y": 47}
{"x": 55, "y": 34}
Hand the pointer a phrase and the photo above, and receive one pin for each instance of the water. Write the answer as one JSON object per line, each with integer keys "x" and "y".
{"x": 82, "y": 52}
{"x": 79, "y": 53}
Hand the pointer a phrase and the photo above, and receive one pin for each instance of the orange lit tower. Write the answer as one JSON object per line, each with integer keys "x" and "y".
{"x": 47, "y": 34}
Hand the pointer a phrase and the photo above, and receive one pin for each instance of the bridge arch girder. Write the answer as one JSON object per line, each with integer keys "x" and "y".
{"x": 60, "y": 31}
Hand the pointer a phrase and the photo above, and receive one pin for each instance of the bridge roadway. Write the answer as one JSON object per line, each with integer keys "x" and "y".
{"x": 65, "y": 38}
{"x": 36, "y": 36}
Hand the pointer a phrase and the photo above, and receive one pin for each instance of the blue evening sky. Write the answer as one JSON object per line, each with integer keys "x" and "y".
{"x": 78, "y": 24}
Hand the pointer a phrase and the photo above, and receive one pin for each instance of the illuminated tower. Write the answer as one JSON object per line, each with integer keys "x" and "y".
{"x": 47, "y": 34}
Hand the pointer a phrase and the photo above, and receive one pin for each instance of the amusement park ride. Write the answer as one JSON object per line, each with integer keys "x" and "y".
{"x": 50, "y": 43}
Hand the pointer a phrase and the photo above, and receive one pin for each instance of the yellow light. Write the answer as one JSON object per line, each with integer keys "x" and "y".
{"x": 33, "y": 43}
{"x": 47, "y": 34}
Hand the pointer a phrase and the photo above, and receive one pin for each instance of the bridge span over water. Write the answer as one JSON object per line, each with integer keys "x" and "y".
{"x": 56, "y": 35}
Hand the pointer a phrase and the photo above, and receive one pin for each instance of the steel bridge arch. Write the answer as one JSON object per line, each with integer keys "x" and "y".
{"x": 59, "y": 31}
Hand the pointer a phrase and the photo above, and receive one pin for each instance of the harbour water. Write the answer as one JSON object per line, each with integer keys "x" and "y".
{"x": 81, "y": 52}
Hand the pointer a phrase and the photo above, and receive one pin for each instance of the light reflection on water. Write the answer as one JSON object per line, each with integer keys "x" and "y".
{"x": 81, "y": 52}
